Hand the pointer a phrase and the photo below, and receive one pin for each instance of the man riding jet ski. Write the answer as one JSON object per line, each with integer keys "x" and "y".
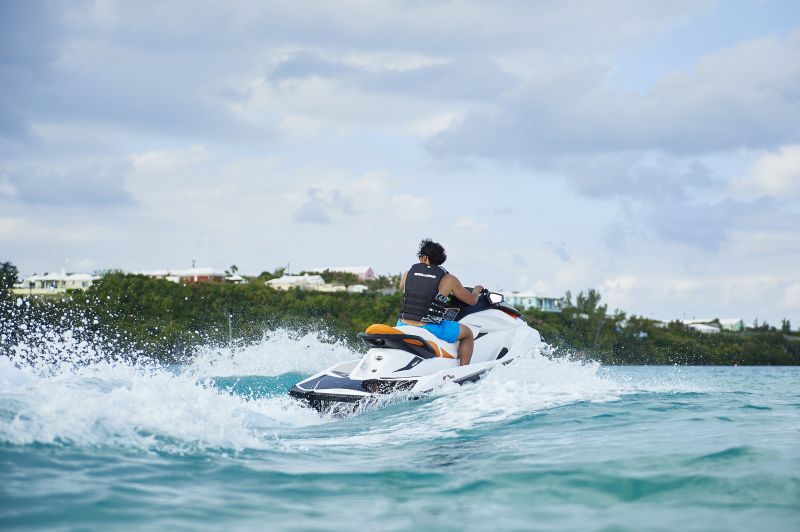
{"x": 420, "y": 352}
{"x": 427, "y": 288}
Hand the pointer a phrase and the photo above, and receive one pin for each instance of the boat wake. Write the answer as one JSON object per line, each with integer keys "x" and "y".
{"x": 81, "y": 395}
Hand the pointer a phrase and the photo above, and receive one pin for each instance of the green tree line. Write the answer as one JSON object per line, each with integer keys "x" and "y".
{"x": 169, "y": 320}
{"x": 586, "y": 329}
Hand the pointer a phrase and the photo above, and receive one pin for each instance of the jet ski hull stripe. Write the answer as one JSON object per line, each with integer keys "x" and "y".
{"x": 414, "y": 362}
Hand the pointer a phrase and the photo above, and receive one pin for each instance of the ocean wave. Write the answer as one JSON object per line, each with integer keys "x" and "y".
{"x": 236, "y": 399}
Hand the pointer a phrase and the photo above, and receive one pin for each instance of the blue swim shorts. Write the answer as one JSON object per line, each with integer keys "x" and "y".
{"x": 447, "y": 330}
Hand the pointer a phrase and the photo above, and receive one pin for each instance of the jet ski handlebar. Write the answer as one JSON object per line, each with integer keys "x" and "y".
{"x": 493, "y": 297}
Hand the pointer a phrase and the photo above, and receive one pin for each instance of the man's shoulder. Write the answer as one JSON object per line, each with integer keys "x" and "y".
{"x": 449, "y": 277}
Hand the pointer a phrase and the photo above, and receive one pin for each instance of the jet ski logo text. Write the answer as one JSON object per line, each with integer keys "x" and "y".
{"x": 425, "y": 275}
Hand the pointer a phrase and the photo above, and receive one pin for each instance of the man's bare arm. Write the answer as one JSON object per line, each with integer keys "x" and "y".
{"x": 403, "y": 282}
{"x": 453, "y": 286}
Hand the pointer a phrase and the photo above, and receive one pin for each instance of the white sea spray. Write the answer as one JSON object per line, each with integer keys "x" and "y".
{"x": 62, "y": 386}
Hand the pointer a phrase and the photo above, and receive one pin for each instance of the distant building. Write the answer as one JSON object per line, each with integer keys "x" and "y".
{"x": 190, "y": 276}
{"x": 717, "y": 324}
{"x": 53, "y": 283}
{"x": 200, "y": 275}
{"x": 357, "y": 288}
{"x": 325, "y": 287}
{"x": 235, "y": 279}
{"x": 305, "y": 282}
{"x": 352, "y": 289}
{"x": 528, "y": 300}
{"x": 312, "y": 282}
{"x": 704, "y": 328}
{"x": 364, "y": 273}
{"x": 732, "y": 324}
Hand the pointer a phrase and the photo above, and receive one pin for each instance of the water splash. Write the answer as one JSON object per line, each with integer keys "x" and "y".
{"x": 280, "y": 351}
{"x": 63, "y": 389}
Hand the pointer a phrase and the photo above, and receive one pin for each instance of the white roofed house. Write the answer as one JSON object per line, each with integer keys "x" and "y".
{"x": 703, "y": 328}
{"x": 715, "y": 325}
{"x": 364, "y": 273}
{"x": 312, "y": 282}
{"x": 304, "y": 282}
{"x": 53, "y": 283}
{"x": 528, "y": 300}
{"x": 357, "y": 289}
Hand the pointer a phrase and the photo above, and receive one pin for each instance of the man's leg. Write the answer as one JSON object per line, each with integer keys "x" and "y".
{"x": 465, "y": 344}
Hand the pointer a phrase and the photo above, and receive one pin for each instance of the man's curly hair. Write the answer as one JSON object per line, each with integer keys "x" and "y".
{"x": 433, "y": 250}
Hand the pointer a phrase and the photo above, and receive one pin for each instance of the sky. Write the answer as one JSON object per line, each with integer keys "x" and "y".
{"x": 648, "y": 149}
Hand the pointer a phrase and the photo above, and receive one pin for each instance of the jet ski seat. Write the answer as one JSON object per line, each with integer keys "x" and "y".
{"x": 379, "y": 330}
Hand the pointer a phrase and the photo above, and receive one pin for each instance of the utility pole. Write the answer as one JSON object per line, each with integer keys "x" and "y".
{"x": 193, "y": 261}
{"x": 230, "y": 331}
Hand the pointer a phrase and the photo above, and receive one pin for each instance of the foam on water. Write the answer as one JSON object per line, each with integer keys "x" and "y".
{"x": 280, "y": 351}
{"x": 530, "y": 384}
{"x": 79, "y": 394}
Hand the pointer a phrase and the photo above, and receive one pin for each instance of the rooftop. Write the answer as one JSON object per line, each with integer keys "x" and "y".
{"x": 191, "y": 272}
{"x": 297, "y": 279}
{"x": 62, "y": 276}
{"x": 358, "y": 270}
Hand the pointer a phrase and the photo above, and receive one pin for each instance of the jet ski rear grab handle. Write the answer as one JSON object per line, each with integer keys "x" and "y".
{"x": 415, "y": 345}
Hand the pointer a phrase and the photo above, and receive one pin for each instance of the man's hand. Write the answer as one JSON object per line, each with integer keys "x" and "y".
{"x": 477, "y": 289}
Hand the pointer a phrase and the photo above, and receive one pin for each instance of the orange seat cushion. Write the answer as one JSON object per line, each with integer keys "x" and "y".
{"x": 380, "y": 328}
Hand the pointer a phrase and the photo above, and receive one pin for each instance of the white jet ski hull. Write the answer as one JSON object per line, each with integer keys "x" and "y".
{"x": 412, "y": 361}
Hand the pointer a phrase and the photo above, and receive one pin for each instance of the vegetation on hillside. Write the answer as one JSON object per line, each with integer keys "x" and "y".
{"x": 586, "y": 329}
{"x": 160, "y": 318}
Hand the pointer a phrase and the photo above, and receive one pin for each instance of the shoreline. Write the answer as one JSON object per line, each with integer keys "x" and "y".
{"x": 168, "y": 321}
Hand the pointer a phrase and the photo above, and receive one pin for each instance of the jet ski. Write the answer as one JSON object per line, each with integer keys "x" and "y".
{"x": 413, "y": 362}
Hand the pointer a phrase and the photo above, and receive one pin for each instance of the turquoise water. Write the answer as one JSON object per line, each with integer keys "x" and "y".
{"x": 539, "y": 444}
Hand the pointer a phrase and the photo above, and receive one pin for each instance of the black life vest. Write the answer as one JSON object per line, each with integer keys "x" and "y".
{"x": 421, "y": 298}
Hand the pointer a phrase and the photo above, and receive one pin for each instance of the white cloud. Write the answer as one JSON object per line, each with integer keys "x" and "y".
{"x": 621, "y": 290}
{"x": 468, "y": 224}
{"x": 7, "y": 188}
{"x": 91, "y": 182}
{"x": 741, "y": 96}
{"x": 15, "y": 230}
{"x": 165, "y": 161}
{"x": 300, "y": 125}
{"x": 431, "y": 125}
{"x": 766, "y": 242}
{"x": 456, "y": 26}
{"x": 323, "y": 206}
{"x": 694, "y": 296}
{"x": 791, "y": 296}
{"x": 775, "y": 174}
{"x": 85, "y": 264}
